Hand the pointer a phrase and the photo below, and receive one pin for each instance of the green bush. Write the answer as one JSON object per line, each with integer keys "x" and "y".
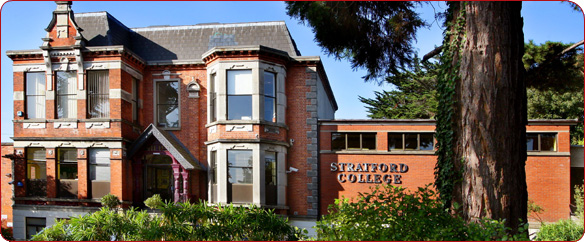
{"x": 392, "y": 213}
{"x": 7, "y": 233}
{"x": 110, "y": 201}
{"x": 154, "y": 202}
{"x": 563, "y": 230}
{"x": 178, "y": 222}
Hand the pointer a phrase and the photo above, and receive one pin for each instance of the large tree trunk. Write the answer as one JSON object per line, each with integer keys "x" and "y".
{"x": 490, "y": 114}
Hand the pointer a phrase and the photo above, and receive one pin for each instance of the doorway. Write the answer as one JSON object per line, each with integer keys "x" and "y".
{"x": 159, "y": 177}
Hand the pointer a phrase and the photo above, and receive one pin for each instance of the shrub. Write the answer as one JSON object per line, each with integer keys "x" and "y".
{"x": 563, "y": 230}
{"x": 178, "y": 222}
{"x": 110, "y": 201}
{"x": 7, "y": 233}
{"x": 392, "y": 213}
{"x": 154, "y": 202}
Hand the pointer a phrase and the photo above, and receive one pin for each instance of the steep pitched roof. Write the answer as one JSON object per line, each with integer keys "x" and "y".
{"x": 171, "y": 143}
{"x": 165, "y": 43}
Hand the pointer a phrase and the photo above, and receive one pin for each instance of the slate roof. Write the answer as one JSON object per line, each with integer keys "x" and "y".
{"x": 164, "y": 43}
{"x": 171, "y": 143}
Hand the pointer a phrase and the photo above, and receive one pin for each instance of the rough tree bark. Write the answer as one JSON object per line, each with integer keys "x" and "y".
{"x": 490, "y": 114}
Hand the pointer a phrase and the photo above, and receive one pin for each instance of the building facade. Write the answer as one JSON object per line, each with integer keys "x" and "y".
{"x": 224, "y": 113}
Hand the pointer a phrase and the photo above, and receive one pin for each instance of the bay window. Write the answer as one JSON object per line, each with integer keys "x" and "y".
{"x": 35, "y": 95}
{"x": 239, "y": 94}
{"x": 213, "y": 176}
{"x": 98, "y": 94}
{"x": 167, "y": 104}
{"x": 66, "y": 94}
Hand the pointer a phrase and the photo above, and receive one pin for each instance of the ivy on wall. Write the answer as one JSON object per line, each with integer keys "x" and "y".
{"x": 446, "y": 172}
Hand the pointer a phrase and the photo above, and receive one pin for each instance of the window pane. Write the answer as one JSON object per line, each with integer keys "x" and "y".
{"x": 270, "y": 178}
{"x": 239, "y": 82}
{"x": 66, "y": 82}
{"x": 212, "y": 99}
{"x": 168, "y": 92}
{"x": 240, "y": 158}
{"x": 34, "y": 225}
{"x": 67, "y": 106}
{"x": 99, "y": 160}
{"x": 67, "y": 163}
{"x": 35, "y": 91}
{"x": 269, "y": 84}
{"x": 369, "y": 141}
{"x": 168, "y": 116}
{"x": 35, "y": 106}
{"x": 240, "y": 107}
{"x": 395, "y": 141}
{"x": 337, "y": 141}
{"x": 35, "y": 83}
{"x": 426, "y": 141}
{"x": 410, "y": 141}
{"x": 532, "y": 142}
{"x": 548, "y": 142}
{"x": 353, "y": 141}
{"x": 98, "y": 90}
{"x": 269, "y": 109}
{"x": 36, "y": 172}
{"x": 213, "y": 165}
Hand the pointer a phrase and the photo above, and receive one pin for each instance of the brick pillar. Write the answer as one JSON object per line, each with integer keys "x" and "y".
{"x": 19, "y": 173}
{"x": 117, "y": 173}
{"x": 82, "y": 174}
{"x": 382, "y": 142}
{"x": 52, "y": 173}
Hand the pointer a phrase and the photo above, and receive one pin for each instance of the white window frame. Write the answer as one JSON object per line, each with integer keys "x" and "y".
{"x": 155, "y": 101}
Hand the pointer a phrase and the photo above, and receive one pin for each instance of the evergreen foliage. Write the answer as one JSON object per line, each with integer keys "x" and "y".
{"x": 374, "y": 35}
{"x": 178, "y": 222}
{"x": 391, "y": 213}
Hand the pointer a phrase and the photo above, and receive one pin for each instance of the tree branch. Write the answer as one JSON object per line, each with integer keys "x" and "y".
{"x": 433, "y": 53}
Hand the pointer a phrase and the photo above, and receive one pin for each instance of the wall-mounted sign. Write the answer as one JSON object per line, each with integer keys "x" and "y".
{"x": 361, "y": 171}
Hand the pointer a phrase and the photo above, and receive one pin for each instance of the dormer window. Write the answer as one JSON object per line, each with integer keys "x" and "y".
{"x": 239, "y": 94}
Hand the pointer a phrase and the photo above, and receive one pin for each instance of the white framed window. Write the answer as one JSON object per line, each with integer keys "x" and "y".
{"x": 98, "y": 94}
{"x": 35, "y": 95}
{"x": 66, "y": 94}
{"x": 239, "y": 94}
{"x": 167, "y": 104}
{"x": 269, "y": 96}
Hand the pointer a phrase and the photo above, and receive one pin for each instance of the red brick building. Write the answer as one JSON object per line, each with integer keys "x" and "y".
{"x": 226, "y": 113}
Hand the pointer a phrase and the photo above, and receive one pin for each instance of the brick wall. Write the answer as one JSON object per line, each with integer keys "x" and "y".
{"x": 548, "y": 176}
{"x": 6, "y": 189}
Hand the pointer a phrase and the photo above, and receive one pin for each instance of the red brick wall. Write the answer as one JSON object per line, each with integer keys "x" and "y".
{"x": 6, "y": 189}
{"x": 548, "y": 177}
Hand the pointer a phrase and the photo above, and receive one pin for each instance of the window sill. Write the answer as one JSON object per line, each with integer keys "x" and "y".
{"x": 281, "y": 125}
{"x": 547, "y": 153}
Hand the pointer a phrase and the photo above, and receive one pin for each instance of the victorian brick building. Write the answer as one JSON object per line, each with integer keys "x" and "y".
{"x": 225, "y": 113}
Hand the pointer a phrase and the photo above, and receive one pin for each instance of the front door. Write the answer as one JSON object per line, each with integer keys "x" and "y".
{"x": 159, "y": 177}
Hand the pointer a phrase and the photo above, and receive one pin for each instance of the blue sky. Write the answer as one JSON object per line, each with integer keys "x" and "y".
{"x": 23, "y": 24}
